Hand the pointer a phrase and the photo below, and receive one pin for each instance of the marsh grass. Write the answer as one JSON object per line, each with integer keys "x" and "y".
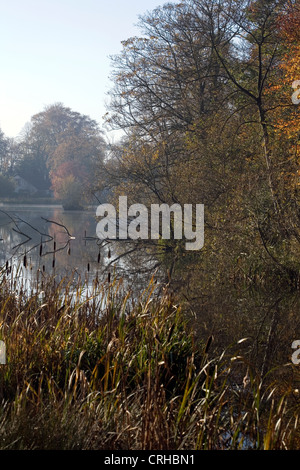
{"x": 102, "y": 369}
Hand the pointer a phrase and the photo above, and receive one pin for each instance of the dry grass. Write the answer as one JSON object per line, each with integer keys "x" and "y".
{"x": 109, "y": 371}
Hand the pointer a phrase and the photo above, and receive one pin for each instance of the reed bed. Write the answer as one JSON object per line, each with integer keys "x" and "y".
{"x": 99, "y": 368}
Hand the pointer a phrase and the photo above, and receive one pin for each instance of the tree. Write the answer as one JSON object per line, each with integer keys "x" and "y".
{"x": 285, "y": 116}
{"x": 194, "y": 96}
{"x": 6, "y": 186}
{"x": 60, "y": 138}
{"x": 32, "y": 163}
{"x": 167, "y": 93}
{"x": 4, "y": 146}
{"x": 67, "y": 182}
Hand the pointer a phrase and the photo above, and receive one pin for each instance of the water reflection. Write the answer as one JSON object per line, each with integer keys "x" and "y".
{"x": 55, "y": 242}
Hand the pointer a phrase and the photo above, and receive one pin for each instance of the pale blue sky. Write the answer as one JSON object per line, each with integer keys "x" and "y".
{"x": 57, "y": 51}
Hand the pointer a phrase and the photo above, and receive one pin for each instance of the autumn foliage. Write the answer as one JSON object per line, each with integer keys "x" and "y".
{"x": 287, "y": 114}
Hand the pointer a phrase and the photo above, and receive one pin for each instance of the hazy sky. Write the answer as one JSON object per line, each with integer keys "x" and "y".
{"x": 57, "y": 51}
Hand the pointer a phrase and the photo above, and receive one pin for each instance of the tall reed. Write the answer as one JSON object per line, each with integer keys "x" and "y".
{"x": 95, "y": 367}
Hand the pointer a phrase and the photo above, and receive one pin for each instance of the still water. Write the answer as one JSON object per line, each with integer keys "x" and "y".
{"x": 51, "y": 241}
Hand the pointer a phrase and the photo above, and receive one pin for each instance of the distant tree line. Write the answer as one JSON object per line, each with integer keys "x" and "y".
{"x": 59, "y": 150}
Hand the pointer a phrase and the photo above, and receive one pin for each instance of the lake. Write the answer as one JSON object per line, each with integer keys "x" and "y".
{"x": 55, "y": 242}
